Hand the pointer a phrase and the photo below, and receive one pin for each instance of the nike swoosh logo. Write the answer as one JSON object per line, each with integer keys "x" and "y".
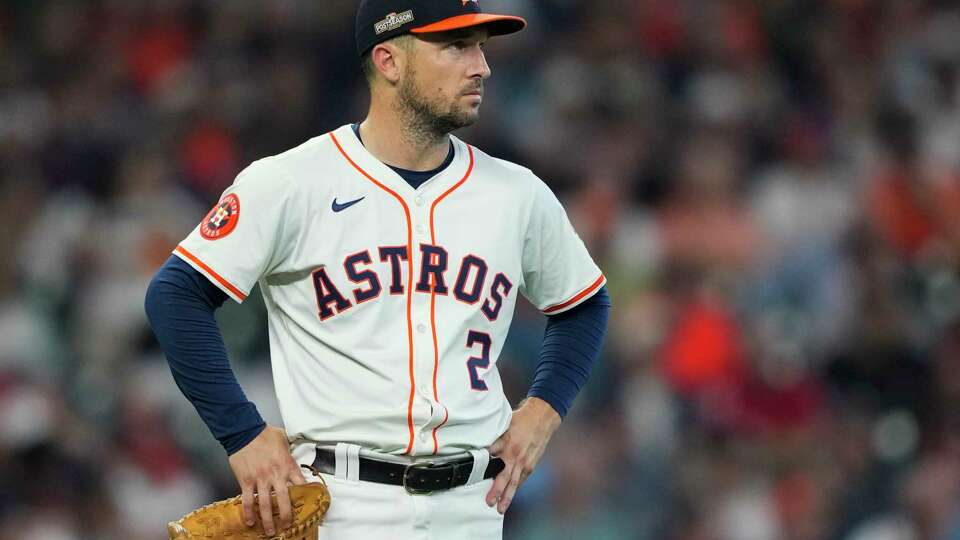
{"x": 341, "y": 207}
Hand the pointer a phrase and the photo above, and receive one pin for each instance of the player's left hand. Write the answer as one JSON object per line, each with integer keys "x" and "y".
{"x": 521, "y": 448}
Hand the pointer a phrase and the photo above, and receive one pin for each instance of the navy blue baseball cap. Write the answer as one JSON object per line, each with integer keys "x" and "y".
{"x": 380, "y": 20}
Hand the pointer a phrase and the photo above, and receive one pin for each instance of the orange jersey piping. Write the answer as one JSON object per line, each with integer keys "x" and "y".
{"x": 226, "y": 284}
{"x": 406, "y": 211}
{"x": 576, "y": 297}
{"x": 433, "y": 298}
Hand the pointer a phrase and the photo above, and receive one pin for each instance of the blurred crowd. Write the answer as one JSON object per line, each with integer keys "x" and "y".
{"x": 772, "y": 188}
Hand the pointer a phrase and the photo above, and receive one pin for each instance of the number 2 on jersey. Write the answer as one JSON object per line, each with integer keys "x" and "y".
{"x": 478, "y": 362}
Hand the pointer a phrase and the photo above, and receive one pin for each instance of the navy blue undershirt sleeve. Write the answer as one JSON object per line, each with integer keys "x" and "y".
{"x": 571, "y": 346}
{"x": 180, "y": 305}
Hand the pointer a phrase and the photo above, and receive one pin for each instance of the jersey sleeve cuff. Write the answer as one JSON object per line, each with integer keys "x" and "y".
{"x": 232, "y": 290}
{"x": 555, "y": 401}
{"x": 577, "y": 298}
{"x": 240, "y": 440}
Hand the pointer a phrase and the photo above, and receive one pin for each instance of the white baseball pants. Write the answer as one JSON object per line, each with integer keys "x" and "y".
{"x": 369, "y": 510}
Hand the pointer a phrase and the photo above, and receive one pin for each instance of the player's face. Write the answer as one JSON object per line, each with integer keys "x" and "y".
{"x": 443, "y": 79}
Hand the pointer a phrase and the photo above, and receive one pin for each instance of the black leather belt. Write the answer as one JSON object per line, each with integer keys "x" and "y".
{"x": 416, "y": 478}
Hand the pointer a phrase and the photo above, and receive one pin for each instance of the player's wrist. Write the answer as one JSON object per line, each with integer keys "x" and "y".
{"x": 241, "y": 440}
{"x": 542, "y": 409}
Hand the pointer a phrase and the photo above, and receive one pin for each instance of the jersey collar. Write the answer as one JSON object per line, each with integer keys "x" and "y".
{"x": 432, "y": 188}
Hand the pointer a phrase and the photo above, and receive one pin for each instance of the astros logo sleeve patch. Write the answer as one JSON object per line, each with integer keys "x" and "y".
{"x": 222, "y": 219}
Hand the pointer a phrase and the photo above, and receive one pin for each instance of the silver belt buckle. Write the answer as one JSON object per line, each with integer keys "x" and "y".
{"x": 406, "y": 470}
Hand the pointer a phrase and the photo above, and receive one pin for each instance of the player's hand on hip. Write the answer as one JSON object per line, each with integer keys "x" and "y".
{"x": 521, "y": 448}
{"x": 262, "y": 466}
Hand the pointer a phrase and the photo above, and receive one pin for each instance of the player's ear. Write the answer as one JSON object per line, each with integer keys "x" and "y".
{"x": 387, "y": 59}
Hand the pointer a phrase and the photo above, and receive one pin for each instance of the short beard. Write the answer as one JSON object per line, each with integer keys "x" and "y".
{"x": 425, "y": 119}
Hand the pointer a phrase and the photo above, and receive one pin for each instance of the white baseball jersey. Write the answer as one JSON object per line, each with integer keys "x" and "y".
{"x": 388, "y": 306}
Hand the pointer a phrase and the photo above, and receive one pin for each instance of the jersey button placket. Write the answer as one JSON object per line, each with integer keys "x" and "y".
{"x": 423, "y": 341}
{"x": 422, "y": 217}
{"x": 422, "y": 330}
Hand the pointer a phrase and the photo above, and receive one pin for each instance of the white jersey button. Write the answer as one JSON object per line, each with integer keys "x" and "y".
{"x": 419, "y": 228}
{"x": 421, "y": 328}
{"x": 419, "y": 201}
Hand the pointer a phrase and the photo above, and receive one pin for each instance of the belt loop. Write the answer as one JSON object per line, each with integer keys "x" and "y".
{"x": 353, "y": 462}
{"x": 481, "y": 458}
{"x": 340, "y": 452}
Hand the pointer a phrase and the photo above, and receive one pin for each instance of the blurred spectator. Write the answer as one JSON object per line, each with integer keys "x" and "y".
{"x": 772, "y": 189}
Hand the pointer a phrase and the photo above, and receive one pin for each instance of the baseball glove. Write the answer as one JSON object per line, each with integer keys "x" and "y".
{"x": 223, "y": 520}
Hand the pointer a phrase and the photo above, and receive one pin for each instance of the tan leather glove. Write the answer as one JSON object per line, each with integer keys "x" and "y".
{"x": 223, "y": 520}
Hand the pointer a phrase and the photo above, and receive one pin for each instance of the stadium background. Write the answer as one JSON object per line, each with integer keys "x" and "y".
{"x": 772, "y": 188}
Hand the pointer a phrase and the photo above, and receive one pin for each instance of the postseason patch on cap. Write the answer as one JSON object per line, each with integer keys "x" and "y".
{"x": 393, "y": 21}
{"x": 222, "y": 219}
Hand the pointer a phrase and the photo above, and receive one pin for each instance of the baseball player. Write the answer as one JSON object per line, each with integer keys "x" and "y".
{"x": 390, "y": 255}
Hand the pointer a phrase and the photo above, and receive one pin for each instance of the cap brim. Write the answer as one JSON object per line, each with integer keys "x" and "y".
{"x": 499, "y": 25}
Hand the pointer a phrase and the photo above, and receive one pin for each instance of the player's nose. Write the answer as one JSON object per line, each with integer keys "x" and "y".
{"x": 479, "y": 66}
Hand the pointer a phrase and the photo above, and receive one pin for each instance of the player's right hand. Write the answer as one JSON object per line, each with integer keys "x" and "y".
{"x": 262, "y": 466}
